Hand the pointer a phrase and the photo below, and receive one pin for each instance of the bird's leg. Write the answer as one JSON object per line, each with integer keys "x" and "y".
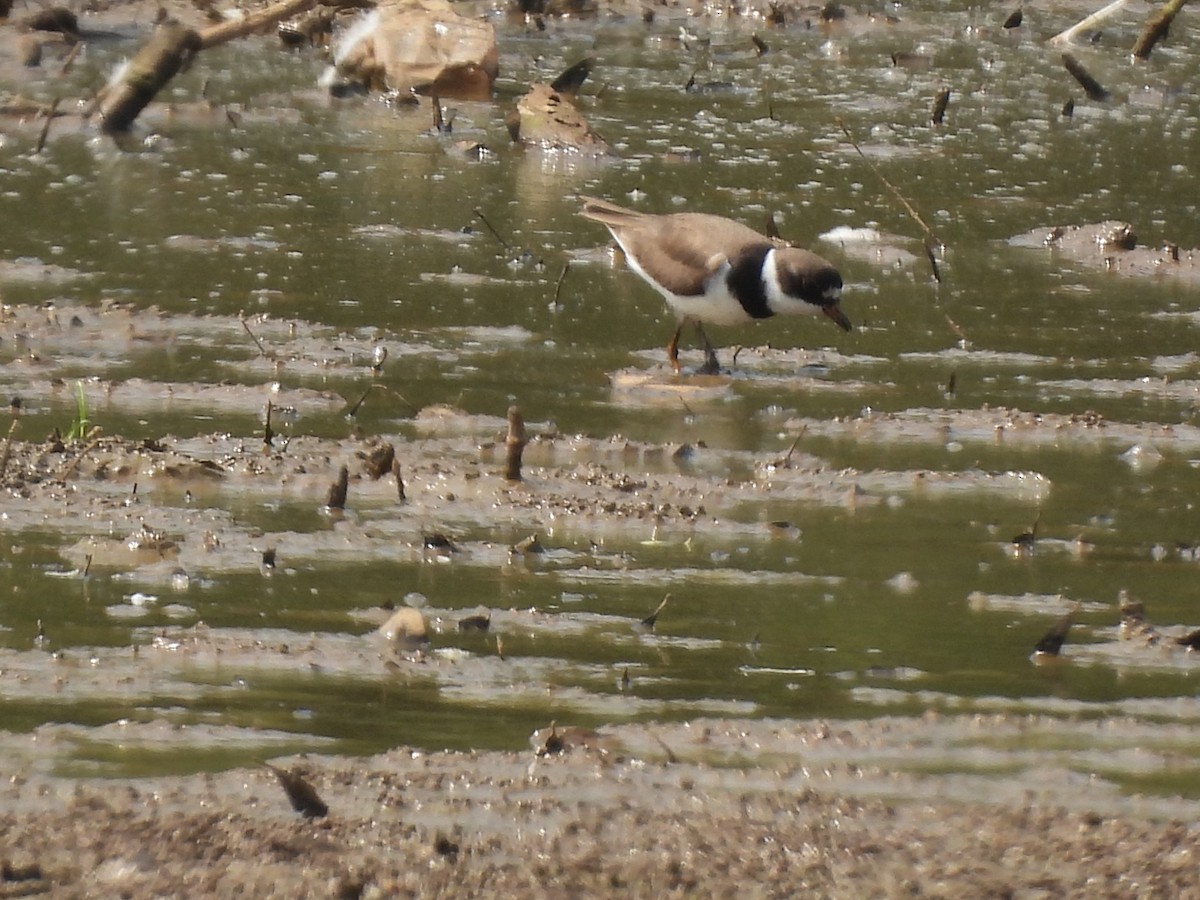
{"x": 711, "y": 366}
{"x": 673, "y": 348}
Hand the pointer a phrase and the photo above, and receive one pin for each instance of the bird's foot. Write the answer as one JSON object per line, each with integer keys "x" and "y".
{"x": 711, "y": 365}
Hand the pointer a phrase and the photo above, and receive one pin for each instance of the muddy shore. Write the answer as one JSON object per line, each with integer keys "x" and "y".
{"x": 635, "y": 812}
{"x": 709, "y": 808}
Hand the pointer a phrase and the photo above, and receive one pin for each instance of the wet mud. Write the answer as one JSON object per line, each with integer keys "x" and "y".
{"x": 991, "y": 797}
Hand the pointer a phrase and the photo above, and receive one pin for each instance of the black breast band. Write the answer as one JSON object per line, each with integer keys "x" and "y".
{"x": 745, "y": 281}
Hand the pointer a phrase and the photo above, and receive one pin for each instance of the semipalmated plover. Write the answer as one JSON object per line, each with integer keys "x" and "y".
{"x": 717, "y": 271}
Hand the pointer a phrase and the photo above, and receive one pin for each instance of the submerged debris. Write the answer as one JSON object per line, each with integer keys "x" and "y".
{"x": 475, "y": 624}
{"x": 302, "y": 795}
{"x": 1053, "y": 640}
{"x": 650, "y": 620}
{"x": 336, "y": 497}
{"x": 514, "y": 444}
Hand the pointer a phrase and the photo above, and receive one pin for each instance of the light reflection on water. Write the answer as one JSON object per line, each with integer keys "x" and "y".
{"x": 350, "y": 215}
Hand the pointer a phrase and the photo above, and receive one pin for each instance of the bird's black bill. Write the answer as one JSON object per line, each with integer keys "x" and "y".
{"x": 835, "y": 313}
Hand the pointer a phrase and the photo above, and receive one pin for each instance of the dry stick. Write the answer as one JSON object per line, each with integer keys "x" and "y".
{"x": 931, "y": 239}
{"x": 1095, "y": 18}
{"x": 558, "y": 286}
{"x": 353, "y": 410}
{"x": 246, "y": 325}
{"x": 170, "y": 49}
{"x": 268, "y": 434}
{"x": 503, "y": 243}
{"x": 1156, "y": 28}
{"x": 74, "y": 464}
{"x": 69, "y": 62}
{"x": 8, "y": 445}
{"x": 514, "y": 444}
{"x": 940, "y": 102}
{"x": 50, "y": 113}
{"x": 228, "y": 31}
{"x": 1094, "y": 89}
{"x": 916, "y": 216}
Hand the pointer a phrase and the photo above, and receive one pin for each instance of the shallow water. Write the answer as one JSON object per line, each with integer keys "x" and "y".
{"x": 894, "y": 586}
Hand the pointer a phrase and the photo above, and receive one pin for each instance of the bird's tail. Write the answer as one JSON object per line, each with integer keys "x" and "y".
{"x": 609, "y": 213}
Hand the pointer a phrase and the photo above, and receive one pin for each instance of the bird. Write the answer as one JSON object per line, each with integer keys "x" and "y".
{"x": 713, "y": 270}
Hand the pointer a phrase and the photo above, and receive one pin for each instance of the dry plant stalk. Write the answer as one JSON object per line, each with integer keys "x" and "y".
{"x": 50, "y": 114}
{"x": 8, "y": 445}
{"x": 336, "y": 498}
{"x": 940, "y": 102}
{"x": 514, "y": 444}
{"x": 1091, "y": 87}
{"x": 1064, "y": 37}
{"x": 1156, "y": 28}
{"x": 931, "y": 239}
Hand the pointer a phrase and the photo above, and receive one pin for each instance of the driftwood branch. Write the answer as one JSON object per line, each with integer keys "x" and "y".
{"x": 264, "y": 18}
{"x": 1065, "y": 37}
{"x": 168, "y": 52}
{"x": 1156, "y": 28}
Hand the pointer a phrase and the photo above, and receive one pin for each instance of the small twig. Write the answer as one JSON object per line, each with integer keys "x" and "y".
{"x": 353, "y": 410}
{"x": 503, "y": 243}
{"x": 439, "y": 120}
{"x": 50, "y": 113}
{"x": 253, "y": 337}
{"x": 69, "y": 62}
{"x": 268, "y": 434}
{"x": 651, "y": 619}
{"x": 95, "y": 438}
{"x": 786, "y": 461}
{"x": 916, "y": 216}
{"x": 558, "y": 287}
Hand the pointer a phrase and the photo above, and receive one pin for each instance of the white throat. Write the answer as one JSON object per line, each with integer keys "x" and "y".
{"x": 779, "y": 301}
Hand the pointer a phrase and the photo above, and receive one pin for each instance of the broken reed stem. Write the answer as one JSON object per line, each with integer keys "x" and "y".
{"x": 399, "y": 480}
{"x": 514, "y": 444}
{"x": 268, "y": 434}
{"x": 8, "y": 445}
{"x": 96, "y": 437}
{"x": 336, "y": 498}
{"x": 1156, "y": 28}
{"x": 940, "y": 102}
{"x": 931, "y": 240}
{"x": 69, "y": 62}
{"x": 246, "y": 325}
{"x": 1095, "y": 18}
{"x": 50, "y": 113}
{"x": 353, "y": 410}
